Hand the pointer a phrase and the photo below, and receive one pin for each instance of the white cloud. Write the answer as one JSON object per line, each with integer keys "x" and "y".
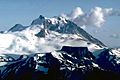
{"x": 76, "y": 13}
{"x": 96, "y": 17}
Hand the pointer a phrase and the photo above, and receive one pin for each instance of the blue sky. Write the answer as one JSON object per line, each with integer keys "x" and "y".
{"x": 24, "y": 11}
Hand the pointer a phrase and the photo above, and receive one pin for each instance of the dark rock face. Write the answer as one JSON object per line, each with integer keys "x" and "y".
{"x": 108, "y": 62}
{"x": 17, "y": 27}
{"x": 74, "y": 63}
{"x": 38, "y": 21}
{"x": 78, "y": 52}
{"x": 41, "y": 33}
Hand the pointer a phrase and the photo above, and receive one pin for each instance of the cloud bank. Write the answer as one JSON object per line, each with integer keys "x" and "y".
{"x": 95, "y": 17}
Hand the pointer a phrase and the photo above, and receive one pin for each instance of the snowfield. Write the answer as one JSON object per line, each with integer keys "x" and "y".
{"x": 52, "y": 34}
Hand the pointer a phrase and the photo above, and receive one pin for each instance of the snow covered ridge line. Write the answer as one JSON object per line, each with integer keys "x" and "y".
{"x": 69, "y": 63}
{"x": 73, "y": 56}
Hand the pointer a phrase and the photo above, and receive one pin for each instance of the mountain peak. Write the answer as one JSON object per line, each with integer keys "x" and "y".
{"x": 17, "y": 27}
{"x": 58, "y": 29}
{"x": 41, "y": 17}
{"x": 40, "y": 20}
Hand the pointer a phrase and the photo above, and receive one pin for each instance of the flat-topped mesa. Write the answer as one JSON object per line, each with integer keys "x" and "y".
{"x": 70, "y": 49}
{"x": 78, "y": 52}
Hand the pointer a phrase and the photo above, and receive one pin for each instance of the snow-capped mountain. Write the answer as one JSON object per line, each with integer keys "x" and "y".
{"x": 54, "y": 49}
{"x": 46, "y": 34}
